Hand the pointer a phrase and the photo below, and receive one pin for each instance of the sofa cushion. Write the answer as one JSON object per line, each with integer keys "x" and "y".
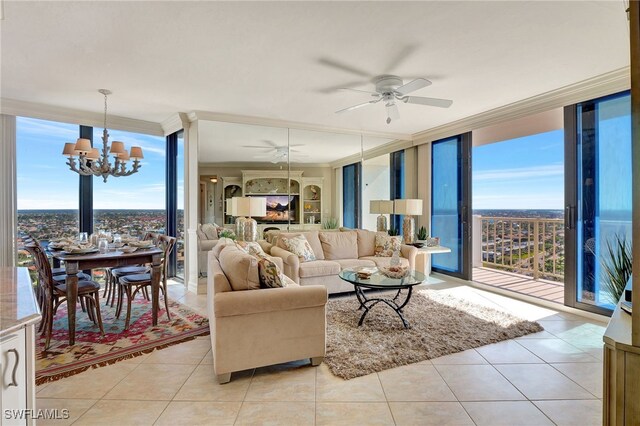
{"x": 221, "y": 244}
{"x": 210, "y": 230}
{"x": 319, "y": 268}
{"x": 240, "y": 268}
{"x": 386, "y": 244}
{"x": 269, "y": 273}
{"x": 200, "y": 233}
{"x": 339, "y": 245}
{"x": 311, "y": 236}
{"x": 299, "y": 246}
{"x": 354, "y": 263}
{"x": 366, "y": 242}
{"x": 385, "y": 261}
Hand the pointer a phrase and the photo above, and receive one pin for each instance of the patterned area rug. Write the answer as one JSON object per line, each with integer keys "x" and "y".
{"x": 93, "y": 350}
{"x": 440, "y": 325}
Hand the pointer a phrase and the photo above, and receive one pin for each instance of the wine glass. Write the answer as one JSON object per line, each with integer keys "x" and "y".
{"x": 83, "y": 237}
{"x": 117, "y": 240}
{"x": 103, "y": 245}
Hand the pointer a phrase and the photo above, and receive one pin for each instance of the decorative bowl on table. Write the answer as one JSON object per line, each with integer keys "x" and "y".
{"x": 80, "y": 249}
{"x": 417, "y": 244}
{"x": 394, "y": 271}
{"x": 433, "y": 242}
{"x": 128, "y": 249}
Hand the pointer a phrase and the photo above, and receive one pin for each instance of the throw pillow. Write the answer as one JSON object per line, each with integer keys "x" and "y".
{"x": 240, "y": 268}
{"x": 299, "y": 246}
{"x": 339, "y": 245}
{"x": 269, "y": 273}
{"x": 250, "y": 247}
{"x": 386, "y": 244}
{"x": 210, "y": 231}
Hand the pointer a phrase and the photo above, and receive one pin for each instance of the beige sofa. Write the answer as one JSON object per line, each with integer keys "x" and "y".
{"x": 334, "y": 252}
{"x": 207, "y": 239}
{"x": 254, "y": 328}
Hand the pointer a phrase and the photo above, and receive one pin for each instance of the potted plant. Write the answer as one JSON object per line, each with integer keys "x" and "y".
{"x": 393, "y": 232}
{"x": 330, "y": 223}
{"x": 616, "y": 267}
{"x": 422, "y": 235}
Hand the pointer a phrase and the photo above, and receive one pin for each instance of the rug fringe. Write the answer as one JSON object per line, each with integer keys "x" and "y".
{"x": 52, "y": 378}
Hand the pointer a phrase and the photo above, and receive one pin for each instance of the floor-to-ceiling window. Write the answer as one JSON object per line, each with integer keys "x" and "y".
{"x": 351, "y": 195}
{"x": 599, "y": 194}
{"x": 397, "y": 184}
{"x": 132, "y": 204}
{"x": 47, "y": 191}
{"x": 180, "y": 207}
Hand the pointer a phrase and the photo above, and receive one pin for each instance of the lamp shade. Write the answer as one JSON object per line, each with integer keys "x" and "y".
{"x": 94, "y": 154}
{"x": 69, "y": 149}
{"x": 249, "y": 206}
{"x": 381, "y": 206}
{"x": 124, "y": 157}
{"x": 136, "y": 153}
{"x": 408, "y": 206}
{"x": 117, "y": 147}
{"x": 83, "y": 145}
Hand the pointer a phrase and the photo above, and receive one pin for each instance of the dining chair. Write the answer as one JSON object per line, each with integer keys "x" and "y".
{"x": 55, "y": 293}
{"x": 113, "y": 274}
{"x": 129, "y": 285}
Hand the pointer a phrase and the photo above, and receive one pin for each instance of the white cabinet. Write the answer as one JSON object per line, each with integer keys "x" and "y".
{"x": 15, "y": 385}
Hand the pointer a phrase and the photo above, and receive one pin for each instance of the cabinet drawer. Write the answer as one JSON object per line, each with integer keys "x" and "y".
{"x": 13, "y": 376}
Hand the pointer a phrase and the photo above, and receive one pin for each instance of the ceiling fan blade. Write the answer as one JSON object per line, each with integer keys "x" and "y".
{"x": 400, "y": 56}
{"x": 270, "y": 143}
{"x": 351, "y": 108}
{"x": 256, "y": 146}
{"x": 392, "y": 112}
{"x": 348, "y": 68}
{"x": 360, "y": 91}
{"x": 421, "y": 100}
{"x": 293, "y": 146}
{"x": 412, "y": 86}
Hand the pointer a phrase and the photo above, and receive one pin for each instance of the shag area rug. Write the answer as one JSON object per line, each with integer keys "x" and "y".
{"x": 93, "y": 350}
{"x": 440, "y": 325}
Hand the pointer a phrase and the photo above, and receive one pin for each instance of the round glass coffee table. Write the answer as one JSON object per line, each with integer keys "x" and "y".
{"x": 381, "y": 282}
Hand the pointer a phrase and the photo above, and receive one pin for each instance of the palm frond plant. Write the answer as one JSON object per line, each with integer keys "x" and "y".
{"x": 616, "y": 267}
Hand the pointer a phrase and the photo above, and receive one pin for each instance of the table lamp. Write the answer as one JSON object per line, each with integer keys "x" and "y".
{"x": 381, "y": 207}
{"x": 246, "y": 227}
{"x": 408, "y": 208}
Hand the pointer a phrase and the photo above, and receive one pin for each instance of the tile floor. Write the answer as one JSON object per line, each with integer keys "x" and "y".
{"x": 552, "y": 377}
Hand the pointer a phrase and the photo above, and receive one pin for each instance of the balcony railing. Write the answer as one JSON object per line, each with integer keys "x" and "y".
{"x": 528, "y": 246}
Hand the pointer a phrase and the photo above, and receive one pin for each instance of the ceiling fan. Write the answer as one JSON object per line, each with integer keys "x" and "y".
{"x": 390, "y": 89}
{"x": 275, "y": 153}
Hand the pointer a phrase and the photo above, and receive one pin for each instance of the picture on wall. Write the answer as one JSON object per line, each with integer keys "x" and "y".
{"x": 279, "y": 207}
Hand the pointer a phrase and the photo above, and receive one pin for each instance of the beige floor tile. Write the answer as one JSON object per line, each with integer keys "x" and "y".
{"x": 122, "y": 413}
{"x": 135, "y": 360}
{"x": 42, "y": 386}
{"x": 353, "y": 413}
{"x": 191, "y": 352}
{"x": 277, "y": 413}
{"x": 202, "y": 385}
{"x": 278, "y": 383}
{"x": 508, "y": 352}
{"x": 415, "y": 383}
{"x": 208, "y": 358}
{"x": 540, "y": 335}
{"x": 541, "y": 381}
{"x": 568, "y": 328}
{"x": 556, "y": 350}
{"x": 586, "y": 374}
{"x": 465, "y": 357}
{"x": 478, "y": 383}
{"x": 90, "y": 384}
{"x": 335, "y": 389}
{"x": 429, "y": 413}
{"x": 507, "y": 413}
{"x": 69, "y": 410}
{"x": 572, "y": 413}
{"x": 157, "y": 382}
{"x": 189, "y": 413}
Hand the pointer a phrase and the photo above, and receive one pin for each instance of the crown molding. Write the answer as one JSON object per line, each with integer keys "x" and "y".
{"x": 270, "y": 122}
{"x": 74, "y": 116}
{"x": 172, "y": 124}
{"x": 387, "y": 148}
{"x": 256, "y": 165}
{"x": 602, "y": 85}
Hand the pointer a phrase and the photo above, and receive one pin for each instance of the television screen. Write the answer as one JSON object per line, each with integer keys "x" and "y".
{"x": 279, "y": 207}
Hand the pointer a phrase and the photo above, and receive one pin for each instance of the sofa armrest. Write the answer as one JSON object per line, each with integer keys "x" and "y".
{"x": 277, "y": 260}
{"x": 409, "y": 253}
{"x": 246, "y": 302}
{"x": 206, "y": 245}
{"x": 266, "y": 246}
{"x": 290, "y": 261}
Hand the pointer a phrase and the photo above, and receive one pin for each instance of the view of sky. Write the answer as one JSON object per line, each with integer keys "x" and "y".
{"x": 45, "y": 181}
{"x": 521, "y": 173}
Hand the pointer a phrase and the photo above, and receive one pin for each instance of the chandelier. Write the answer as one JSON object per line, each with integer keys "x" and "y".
{"x": 92, "y": 163}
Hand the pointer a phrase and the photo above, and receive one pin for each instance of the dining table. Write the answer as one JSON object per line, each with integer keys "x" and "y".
{"x": 74, "y": 263}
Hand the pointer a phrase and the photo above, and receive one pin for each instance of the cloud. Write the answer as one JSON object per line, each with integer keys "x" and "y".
{"x": 520, "y": 173}
{"x": 50, "y": 129}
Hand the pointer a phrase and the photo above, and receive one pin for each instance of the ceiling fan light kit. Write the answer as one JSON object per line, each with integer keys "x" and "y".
{"x": 391, "y": 88}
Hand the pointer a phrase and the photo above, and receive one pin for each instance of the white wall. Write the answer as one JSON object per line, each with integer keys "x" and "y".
{"x": 375, "y": 186}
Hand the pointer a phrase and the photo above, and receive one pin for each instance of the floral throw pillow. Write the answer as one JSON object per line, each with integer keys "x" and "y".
{"x": 269, "y": 273}
{"x": 250, "y": 247}
{"x": 299, "y": 246}
{"x": 386, "y": 244}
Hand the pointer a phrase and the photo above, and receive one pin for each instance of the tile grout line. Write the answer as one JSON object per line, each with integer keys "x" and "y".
{"x": 386, "y": 398}
{"x": 454, "y": 394}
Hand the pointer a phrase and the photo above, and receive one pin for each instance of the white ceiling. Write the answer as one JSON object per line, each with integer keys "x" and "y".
{"x": 268, "y": 59}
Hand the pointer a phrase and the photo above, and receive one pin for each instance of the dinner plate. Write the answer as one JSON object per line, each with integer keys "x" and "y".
{"x": 82, "y": 251}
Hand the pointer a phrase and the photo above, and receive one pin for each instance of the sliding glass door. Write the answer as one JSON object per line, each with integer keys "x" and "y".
{"x": 597, "y": 194}
{"x": 451, "y": 204}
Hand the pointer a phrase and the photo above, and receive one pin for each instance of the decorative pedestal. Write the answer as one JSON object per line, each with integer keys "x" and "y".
{"x": 381, "y": 223}
{"x": 247, "y": 229}
{"x": 408, "y": 229}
